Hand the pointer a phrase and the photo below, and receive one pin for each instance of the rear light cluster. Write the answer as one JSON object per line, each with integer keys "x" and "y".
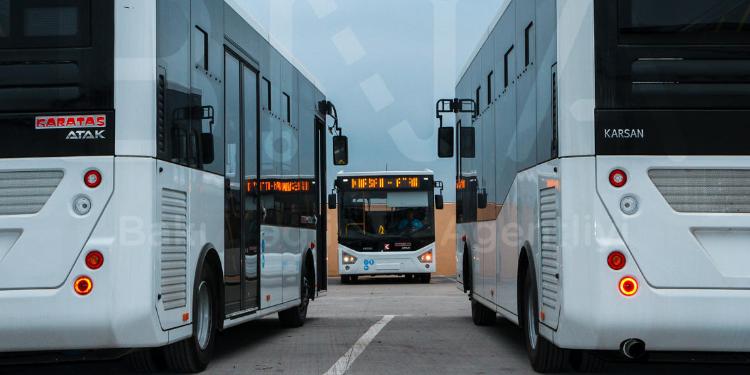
{"x": 426, "y": 257}
{"x": 618, "y": 178}
{"x": 83, "y": 285}
{"x": 628, "y": 285}
{"x": 92, "y": 179}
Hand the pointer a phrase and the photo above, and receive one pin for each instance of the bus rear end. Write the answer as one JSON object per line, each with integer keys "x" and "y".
{"x": 57, "y": 180}
{"x": 672, "y": 180}
{"x": 386, "y": 226}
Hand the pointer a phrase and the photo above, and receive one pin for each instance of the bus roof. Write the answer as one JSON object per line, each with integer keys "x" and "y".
{"x": 426, "y": 172}
{"x": 487, "y": 34}
{"x": 274, "y": 43}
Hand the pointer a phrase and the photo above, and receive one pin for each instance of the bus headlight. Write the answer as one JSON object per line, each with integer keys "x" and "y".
{"x": 348, "y": 259}
{"x": 426, "y": 257}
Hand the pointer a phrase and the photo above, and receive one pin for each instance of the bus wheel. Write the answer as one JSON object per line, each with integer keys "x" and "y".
{"x": 193, "y": 355}
{"x": 481, "y": 315}
{"x": 425, "y": 278}
{"x": 145, "y": 361}
{"x": 345, "y": 279}
{"x": 544, "y": 356}
{"x": 296, "y": 316}
{"x": 586, "y": 362}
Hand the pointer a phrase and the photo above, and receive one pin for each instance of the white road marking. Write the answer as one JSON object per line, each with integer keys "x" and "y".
{"x": 345, "y": 362}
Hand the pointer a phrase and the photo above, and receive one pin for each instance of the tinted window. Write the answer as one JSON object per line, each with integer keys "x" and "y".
{"x": 703, "y": 20}
{"x": 4, "y": 18}
{"x": 50, "y": 21}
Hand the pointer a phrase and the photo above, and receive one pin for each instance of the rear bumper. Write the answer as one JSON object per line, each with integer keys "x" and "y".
{"x": 392, "y": 263}
{"x": 666, "y": 320}
{"x": 42, "y": 320}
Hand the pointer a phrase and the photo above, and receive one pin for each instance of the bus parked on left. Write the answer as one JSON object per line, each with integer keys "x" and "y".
{"x": 162, "y": 170}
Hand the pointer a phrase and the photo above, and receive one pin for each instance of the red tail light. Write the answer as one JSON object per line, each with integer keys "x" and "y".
{"x": 92, "y": 179}
{"x": 94, "y": 260}
{"x": 616, "y": 260}
{"x": 83, "y": 285}
{"x": 618, "y": 178}
{"x": 628, "y": 286}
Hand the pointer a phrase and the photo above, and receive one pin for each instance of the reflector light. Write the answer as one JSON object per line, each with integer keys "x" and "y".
{"x": 83, "y": 285}
{"x": 628, "y": 286}
{"x": 94, "y": 260}
{"x": 616, "y": 260}
{"x": 618, "y": 178}
{"x": 92, "y": 179}
{"x": 312, "y": 245}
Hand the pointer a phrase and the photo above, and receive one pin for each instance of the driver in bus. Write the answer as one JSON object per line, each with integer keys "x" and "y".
{"x": 410, "y": 223}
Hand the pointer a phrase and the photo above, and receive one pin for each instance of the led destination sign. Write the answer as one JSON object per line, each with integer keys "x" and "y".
{"x": 386, "y": 183}
{"x": 280, "y": 186}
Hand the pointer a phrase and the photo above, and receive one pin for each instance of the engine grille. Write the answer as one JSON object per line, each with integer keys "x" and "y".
{"x": 549, "y": 225}
{"x": 174, "y": 243}
{"x": 26, "y": 192}
{"x": 704, "y": 190}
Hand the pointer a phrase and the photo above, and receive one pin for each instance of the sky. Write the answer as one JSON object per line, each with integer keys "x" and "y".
{"x": 384, "y": 64}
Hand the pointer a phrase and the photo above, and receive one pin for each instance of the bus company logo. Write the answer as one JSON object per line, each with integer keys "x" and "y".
{"x": 71, "y": 122}
{"x": 85, "y": 135}
{"x": 624, "y": 133}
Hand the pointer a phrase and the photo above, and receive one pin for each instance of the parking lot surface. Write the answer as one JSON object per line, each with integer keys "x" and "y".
{"x": 378, "y": 326}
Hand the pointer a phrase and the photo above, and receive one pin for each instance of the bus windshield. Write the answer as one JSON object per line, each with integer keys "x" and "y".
{"x": 386, "y": 220}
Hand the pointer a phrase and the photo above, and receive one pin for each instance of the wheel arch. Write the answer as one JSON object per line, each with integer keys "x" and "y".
{"x": 308, "y": 266}
{"x": 525, "y": 264}
{"x": 209, "y": 257}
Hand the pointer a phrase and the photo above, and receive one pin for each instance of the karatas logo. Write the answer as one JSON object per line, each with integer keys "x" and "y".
{"x": 624, "y": 133}
{"x": 71, "y": 122}
{"x": 86, "y": 135}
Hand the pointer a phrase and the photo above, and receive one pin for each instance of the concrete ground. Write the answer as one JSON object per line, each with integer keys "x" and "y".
{"x": 380, "y": 326}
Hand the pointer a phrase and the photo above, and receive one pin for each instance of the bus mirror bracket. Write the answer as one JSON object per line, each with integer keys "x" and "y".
{"x": 439, "y": 200}
{"x": 332, "y": 198}
{"x": 446, "y": 134}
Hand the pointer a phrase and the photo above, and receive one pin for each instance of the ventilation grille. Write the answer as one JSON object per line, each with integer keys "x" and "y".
{"x": 704, "y": 190}
{"x": 174, "y": 246}
{"x": 549, "y": 226}
{"x": 25, "y": 193}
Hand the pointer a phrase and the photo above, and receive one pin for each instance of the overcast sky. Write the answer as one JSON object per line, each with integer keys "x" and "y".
{"x": 383, "y": 63}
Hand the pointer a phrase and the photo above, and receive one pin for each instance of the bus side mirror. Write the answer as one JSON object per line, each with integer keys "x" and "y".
{"x": 468, "y": 142}
{"x": 445, "y": 142}
{"x": 439, "y": 203}
{"x": 332, "y": 201}
{"x": 340, "y": 150}
{"x": 207, "y": 148}
{"x": 482, "y": 200}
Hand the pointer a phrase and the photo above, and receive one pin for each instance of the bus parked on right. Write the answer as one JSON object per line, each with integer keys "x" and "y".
{"x": 605, "y": 203}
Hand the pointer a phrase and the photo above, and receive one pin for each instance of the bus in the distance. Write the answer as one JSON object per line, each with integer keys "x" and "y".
{"x": 161, "y": 179}
{"x": 605, "y": 208}
{"x": 386, "y": 224}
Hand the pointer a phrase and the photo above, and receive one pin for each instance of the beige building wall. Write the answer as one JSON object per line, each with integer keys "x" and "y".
{"x": 445, "y": 241}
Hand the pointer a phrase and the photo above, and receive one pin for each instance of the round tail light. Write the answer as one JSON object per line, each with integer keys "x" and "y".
{"x": 616, "y": 260}
{"x": 618, "y": 178}
{"x": 92, "y": 179}
{"x": 628, "y": 286}
{"x": 83, "y": 285}
{"x": 94, "y": 260}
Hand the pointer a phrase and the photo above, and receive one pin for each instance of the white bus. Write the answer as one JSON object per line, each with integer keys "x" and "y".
{"x": 605, "y": 205}
{"x": 160, "y": 179}
{"x": 386, "y": 224}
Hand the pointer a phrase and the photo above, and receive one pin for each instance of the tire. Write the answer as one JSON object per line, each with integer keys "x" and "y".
{"x": 481, "y": 315}
{"x": 544, "y": 356}
{"x": 145, "y": 361}
{"x": 295, "y": 317}
{"x": 587, "y": 362}
{"x": 193, "y": 354}
{"x": 345, "y": 279}
{"x": 425, "y": 278}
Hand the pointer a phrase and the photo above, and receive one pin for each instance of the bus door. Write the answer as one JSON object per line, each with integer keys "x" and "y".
{"x": 242, "y": 223}
{"x": 320, "y": 175}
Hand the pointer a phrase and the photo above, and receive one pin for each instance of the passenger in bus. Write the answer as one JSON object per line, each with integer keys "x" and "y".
{"x": 410, "y": 223}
